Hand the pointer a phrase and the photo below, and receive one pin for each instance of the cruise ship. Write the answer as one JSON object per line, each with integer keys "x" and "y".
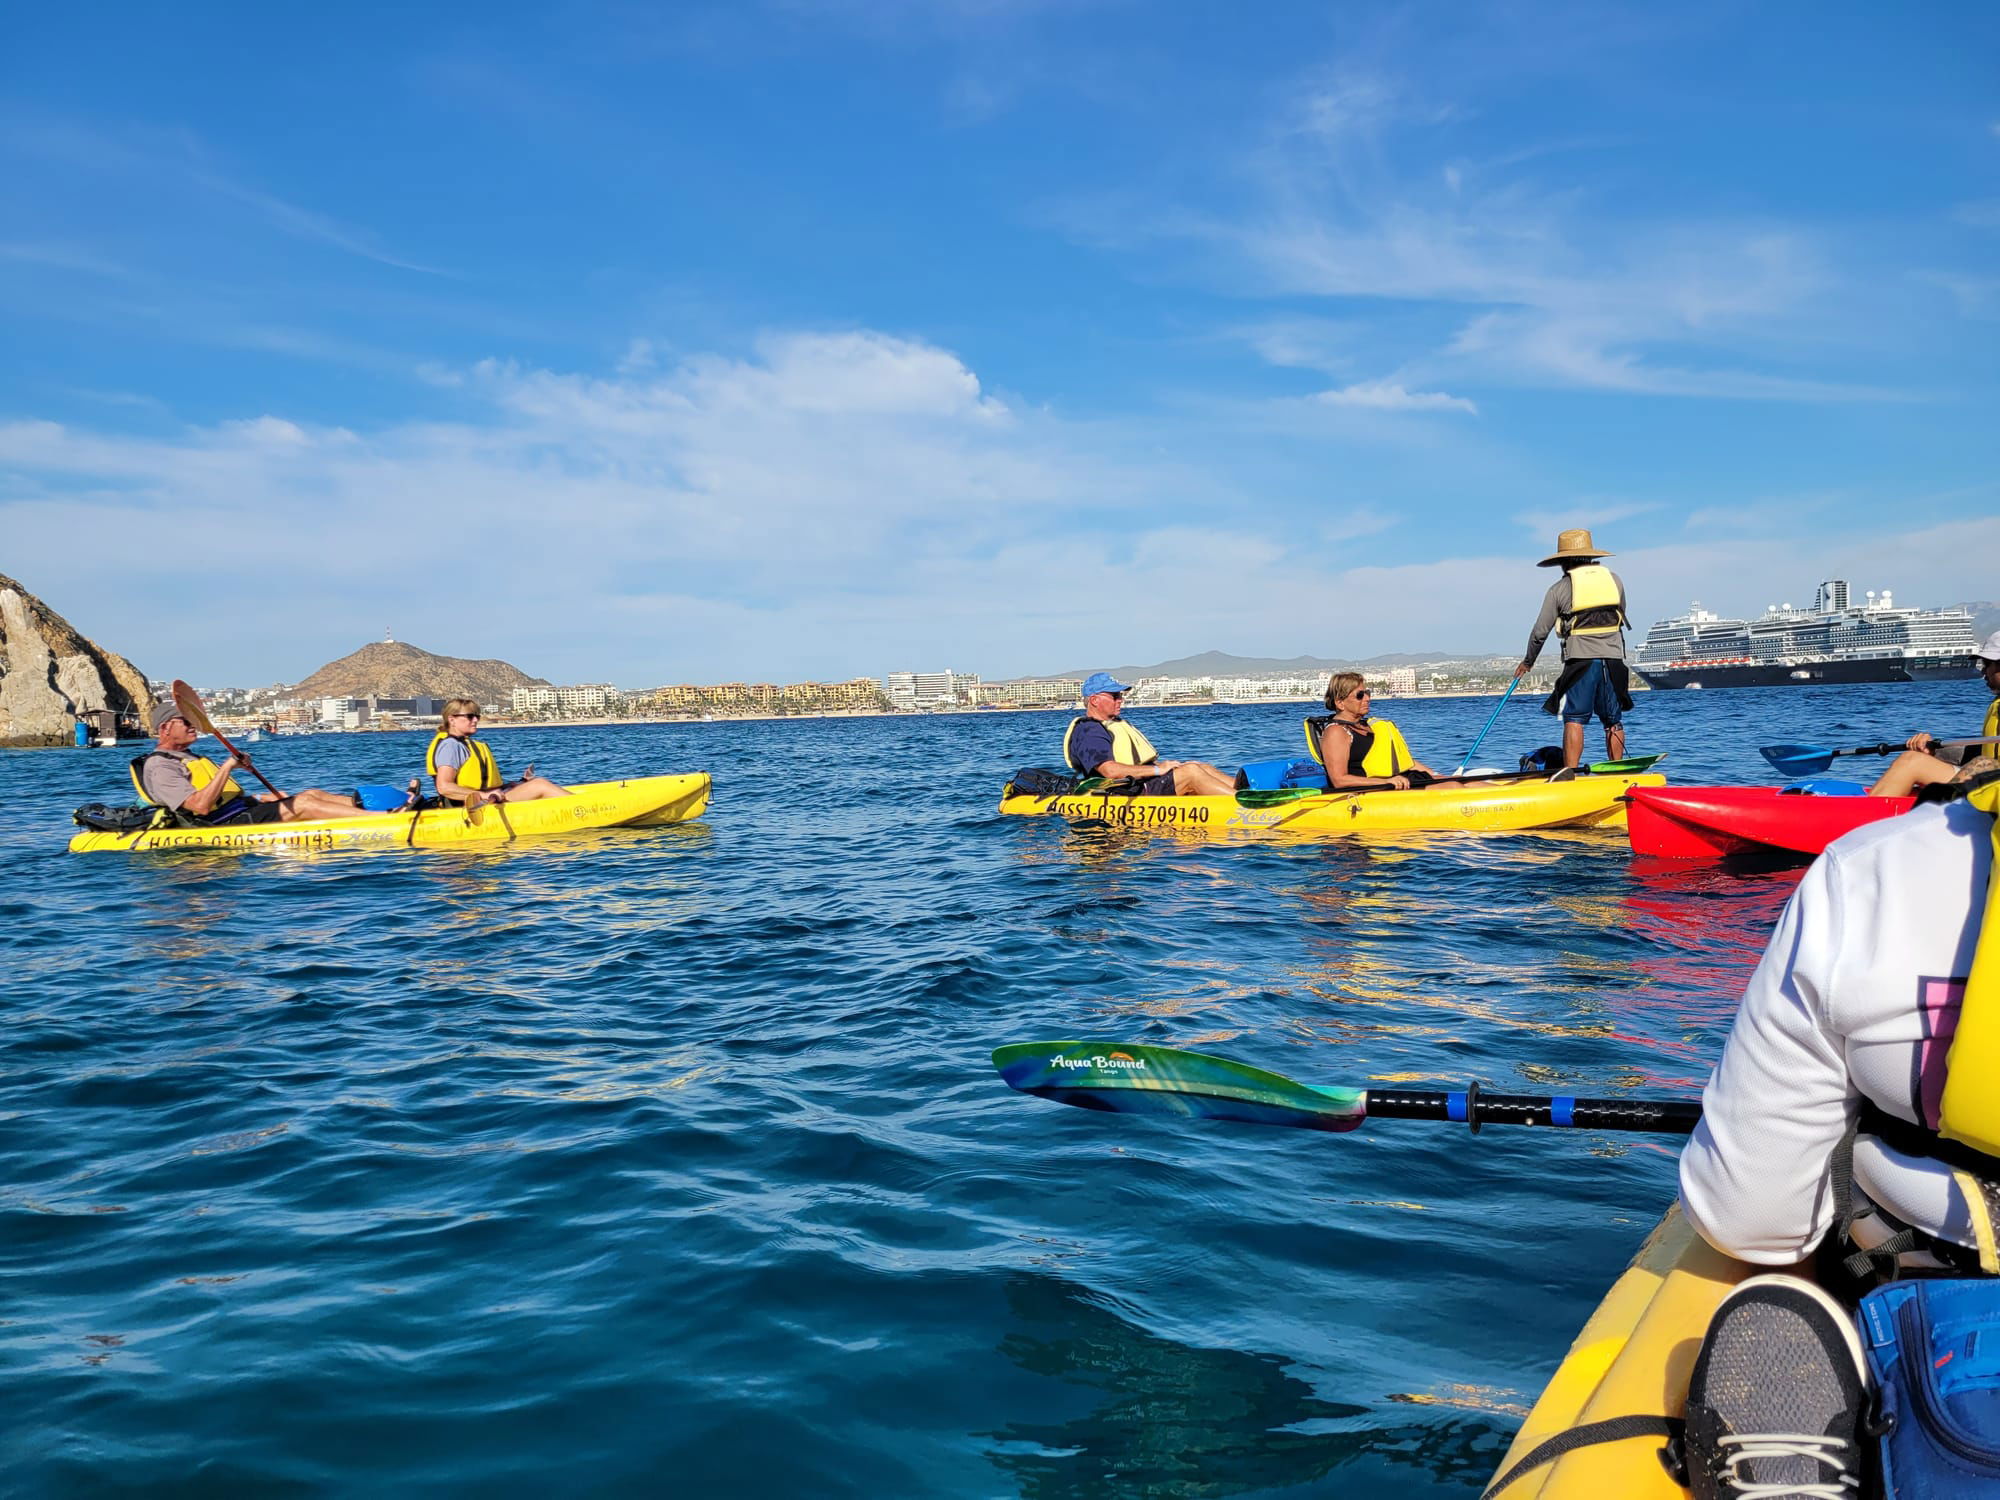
{"x": 1834, "y": 641}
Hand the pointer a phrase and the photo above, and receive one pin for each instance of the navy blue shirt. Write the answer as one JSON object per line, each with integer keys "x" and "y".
{"x": 1090, "y": 746}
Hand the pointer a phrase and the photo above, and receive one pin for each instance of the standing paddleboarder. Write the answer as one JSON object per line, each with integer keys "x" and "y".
{"x": 1586, "y": 607}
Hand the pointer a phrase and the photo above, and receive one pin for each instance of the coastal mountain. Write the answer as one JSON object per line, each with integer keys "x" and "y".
{"x": 1222, "y": 664}
{"x": 50, "y": 673}
{"x": 396, "y": 669}
{"x": 1985, "y": 616}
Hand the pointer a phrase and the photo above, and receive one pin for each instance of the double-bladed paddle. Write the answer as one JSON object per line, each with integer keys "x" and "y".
{"x": 1136, "y": 1079}
{"x": 1277, "y": 797}
{"x": 188, "y": 701}
{"x": 1809, "y": 760}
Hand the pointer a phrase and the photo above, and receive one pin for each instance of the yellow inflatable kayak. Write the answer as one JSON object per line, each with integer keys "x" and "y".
{"x": 1510, "y": 806}
{"x": 1633, "y": 1358}
{"x": 643, "y": 802}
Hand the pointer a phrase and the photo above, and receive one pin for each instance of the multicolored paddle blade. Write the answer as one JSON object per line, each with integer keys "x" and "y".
{"x": 1133, "y": 1079}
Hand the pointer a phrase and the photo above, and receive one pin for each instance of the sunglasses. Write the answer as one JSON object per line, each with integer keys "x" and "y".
{"x": 1361, "y": 693}
{"x": 465, "y": 716}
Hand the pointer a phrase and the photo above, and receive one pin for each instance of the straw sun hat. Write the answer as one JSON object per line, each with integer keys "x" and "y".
{"x": 1573, "y": 546}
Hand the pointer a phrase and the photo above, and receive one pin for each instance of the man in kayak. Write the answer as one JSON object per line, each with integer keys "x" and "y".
{"x": 1102, "y": 743}
{"x": 1871, "y": 1025}
{"x": 205, "y": 793}
{"x": 1923, "y": 763}
{"x": 1586, "y": 607}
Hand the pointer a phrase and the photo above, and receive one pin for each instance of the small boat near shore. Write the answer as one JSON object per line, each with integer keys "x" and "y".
{"x": 642, "y": 802}
{"x": 1515, "y": 804}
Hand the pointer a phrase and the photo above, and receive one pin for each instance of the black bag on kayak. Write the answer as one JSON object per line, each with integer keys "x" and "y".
{"x": 1548, "y": 758}
{"x": 1030, "y": 782}
{"x": 96, "y": 815}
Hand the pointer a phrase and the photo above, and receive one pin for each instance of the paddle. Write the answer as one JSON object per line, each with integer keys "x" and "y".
{"x": 188, "y": 701}
{"x": 1133, "y": 1078}
{"x": 1808, "y": 760}
{"x": 1490, "y": 718}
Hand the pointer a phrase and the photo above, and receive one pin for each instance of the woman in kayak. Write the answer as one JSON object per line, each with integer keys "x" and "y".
{"x": 464, "y": 769}
{"x": 1349, "y": 741}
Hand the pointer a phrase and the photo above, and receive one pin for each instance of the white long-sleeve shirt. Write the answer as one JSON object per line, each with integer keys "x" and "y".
{"x": 1857, "y": 995}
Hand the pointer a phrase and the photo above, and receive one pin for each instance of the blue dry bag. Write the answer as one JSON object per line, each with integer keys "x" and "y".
{"x": 381, "y": 798}
{"x": 1934, "y": 1350}
{"x": 1276, "y": 775}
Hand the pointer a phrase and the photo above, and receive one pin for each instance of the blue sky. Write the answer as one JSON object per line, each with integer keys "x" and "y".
{"x": 818, "y": 339}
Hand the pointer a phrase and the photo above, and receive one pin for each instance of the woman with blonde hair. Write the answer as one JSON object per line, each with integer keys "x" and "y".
{"x": 463, "y": 769}
{"x": 1358, "y": 752}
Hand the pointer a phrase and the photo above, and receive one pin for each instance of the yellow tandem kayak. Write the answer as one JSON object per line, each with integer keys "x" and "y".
{"x": 643, "y": 802}
{"x": 1509, "y": 806}
{"x": 1633, "y": 1358}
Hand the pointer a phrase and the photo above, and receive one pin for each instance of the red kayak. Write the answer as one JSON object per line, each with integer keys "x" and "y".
{"x": 1707, "y": 822}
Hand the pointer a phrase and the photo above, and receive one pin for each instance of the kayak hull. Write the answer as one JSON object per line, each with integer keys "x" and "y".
{"x": 1633, "y": 1358}
{"x": 1523, "y": 806}
{"x": 643, "y": 802}
{"x": 1713, "y": 822}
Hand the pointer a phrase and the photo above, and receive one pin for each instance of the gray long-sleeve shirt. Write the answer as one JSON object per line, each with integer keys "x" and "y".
{"x": 1575, "y": 647}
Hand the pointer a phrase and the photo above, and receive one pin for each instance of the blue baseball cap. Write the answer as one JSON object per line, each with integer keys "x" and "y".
{"x": 1103, "y": 682}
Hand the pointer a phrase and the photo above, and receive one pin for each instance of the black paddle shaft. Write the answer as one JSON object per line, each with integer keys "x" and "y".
{"x": 1475, "y": 1108}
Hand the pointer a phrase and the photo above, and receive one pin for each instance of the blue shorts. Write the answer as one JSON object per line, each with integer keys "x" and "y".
{"x": 1593, "y": 693}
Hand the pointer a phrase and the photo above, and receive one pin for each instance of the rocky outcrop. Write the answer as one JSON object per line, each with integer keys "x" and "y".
{"x": 49, "y": 674}
{"x": 396, "y": 669}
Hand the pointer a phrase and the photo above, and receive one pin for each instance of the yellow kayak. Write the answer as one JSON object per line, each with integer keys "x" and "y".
{"x": 643, "y": 802}
{"x": 1509, "y": 806}
{"x": 1633, "y": 1358}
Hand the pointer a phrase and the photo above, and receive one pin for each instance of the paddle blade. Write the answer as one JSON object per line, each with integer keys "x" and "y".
{"x": 1797, "y": 760}
{"x": 188, "y": 701}
{"x": 1133, "y": 1079}
{"x": 1628, "y": 767}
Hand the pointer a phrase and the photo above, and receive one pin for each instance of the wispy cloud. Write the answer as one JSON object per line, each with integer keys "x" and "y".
{"x": 1384, "y": 395}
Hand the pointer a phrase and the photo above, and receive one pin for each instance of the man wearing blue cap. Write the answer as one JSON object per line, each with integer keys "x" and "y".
{"x": 1101, "y": 743}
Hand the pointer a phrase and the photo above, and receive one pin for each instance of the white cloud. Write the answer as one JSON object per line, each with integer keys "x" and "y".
{"x": 1383, "y": 395}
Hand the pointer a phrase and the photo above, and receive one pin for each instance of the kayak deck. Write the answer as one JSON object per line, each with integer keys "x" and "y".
{"x": 1633, "y": 1358}
{"x": 1713, "y": 822}
{"x": 1512, "y": 806}
{"x": 642, "y": 802}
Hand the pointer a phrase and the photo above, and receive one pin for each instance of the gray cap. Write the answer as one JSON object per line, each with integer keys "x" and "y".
{"x": 164, "y": 710}
{"x": 1991, "y": 650}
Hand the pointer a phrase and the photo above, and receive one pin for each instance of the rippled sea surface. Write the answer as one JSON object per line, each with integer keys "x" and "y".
{"x": 671, "y": 1161}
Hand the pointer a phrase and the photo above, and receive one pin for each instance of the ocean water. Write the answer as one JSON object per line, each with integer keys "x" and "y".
{"x": 670, "y": 1161}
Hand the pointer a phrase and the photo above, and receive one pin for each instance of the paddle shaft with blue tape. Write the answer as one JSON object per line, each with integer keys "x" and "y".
{"x": 1138, "y": 1078}
{"x": 1475, "y": 1107}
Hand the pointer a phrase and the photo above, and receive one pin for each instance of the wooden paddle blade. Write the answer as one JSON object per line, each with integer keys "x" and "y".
{"x": 1132, "y": 1078}
{"x": 188, "y": 701}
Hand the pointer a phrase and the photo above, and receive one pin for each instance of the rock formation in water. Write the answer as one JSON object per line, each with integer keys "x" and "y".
{"x": 49, "y": 674}
{"x": 396, "y": 669}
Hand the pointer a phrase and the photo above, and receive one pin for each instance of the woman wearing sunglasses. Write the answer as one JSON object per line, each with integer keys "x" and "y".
{"x": 463, "y": 767}
{"x": 1360, "y": 752}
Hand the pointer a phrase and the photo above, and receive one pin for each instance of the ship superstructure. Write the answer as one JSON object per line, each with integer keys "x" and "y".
{"x": 1834, "y": 641}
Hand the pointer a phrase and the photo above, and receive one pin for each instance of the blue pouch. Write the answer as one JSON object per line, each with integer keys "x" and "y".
{"x": 1276, "y": 775}
{"x": 1934, "y": 1350}
{"x": 381, "y": 798}
{"x": 1824, "y": 787}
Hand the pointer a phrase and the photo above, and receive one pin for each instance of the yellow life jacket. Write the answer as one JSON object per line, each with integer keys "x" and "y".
{"x": 1595, "y": 607}
{"x": 1970, "y": 1110}
{"x": 1128, "y": 746}
{"x": 1990, "y": 728}
{"x": 1388, "y": 753}
{"x": 478, "y": 774}
{"x": 201, "y": 771}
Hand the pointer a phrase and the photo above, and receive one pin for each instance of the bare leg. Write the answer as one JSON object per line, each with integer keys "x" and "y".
{"x": 1614, "y": 742}
{"x": 314, "y": 803}
{"x": 534, "y": 788}
{"x": 1910, "y": 770}
{"x": 1197, "y": 778}
{"x": 1572, "y": 744}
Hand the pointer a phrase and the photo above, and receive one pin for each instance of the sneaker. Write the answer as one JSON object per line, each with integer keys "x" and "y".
{"x": 1777, "y": 1397}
